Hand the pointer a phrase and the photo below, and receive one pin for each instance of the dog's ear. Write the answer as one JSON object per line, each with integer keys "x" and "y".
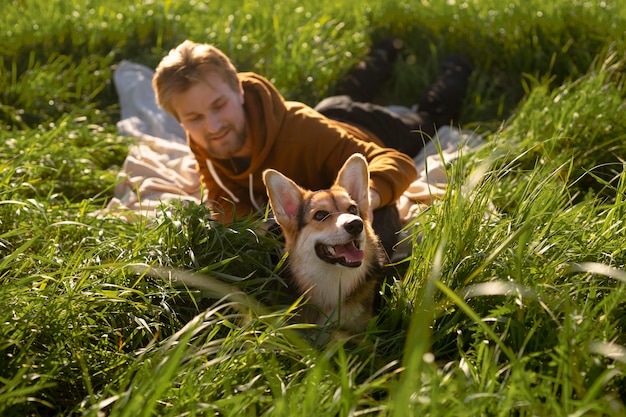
{"x": 284, "y": 194}
{"x": 354, "y": 177}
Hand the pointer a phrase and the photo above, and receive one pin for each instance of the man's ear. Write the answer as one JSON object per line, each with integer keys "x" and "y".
{"x": 354, "y": 177}
{"x": 241, "y": 93}
{"x": 285, "y": 197}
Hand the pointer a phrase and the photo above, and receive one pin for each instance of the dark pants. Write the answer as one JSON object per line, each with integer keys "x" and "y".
{"x": 439, "y": 105}
{"x": 407, "y": 133}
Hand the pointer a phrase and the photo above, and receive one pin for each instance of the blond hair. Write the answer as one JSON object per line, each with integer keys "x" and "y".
{"x": 185, "y": 66}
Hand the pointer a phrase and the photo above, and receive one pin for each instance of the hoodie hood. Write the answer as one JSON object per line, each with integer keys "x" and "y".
{"x": 265, "y": 110}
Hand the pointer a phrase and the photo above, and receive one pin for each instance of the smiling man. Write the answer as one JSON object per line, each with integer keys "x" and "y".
{"x": 211, "y": 113}
{"x": 238, "y": 125}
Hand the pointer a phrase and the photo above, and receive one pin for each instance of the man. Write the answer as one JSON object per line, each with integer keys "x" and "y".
{"x": 238, "y": 125}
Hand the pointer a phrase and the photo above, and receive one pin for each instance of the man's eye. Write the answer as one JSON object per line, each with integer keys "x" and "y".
{"x": 353, "y": 209}
{"x": 193, "y": 118}
{"x": 320, "y": 215}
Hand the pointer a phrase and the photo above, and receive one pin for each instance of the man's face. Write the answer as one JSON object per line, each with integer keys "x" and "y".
{"x": 211, "y": 112}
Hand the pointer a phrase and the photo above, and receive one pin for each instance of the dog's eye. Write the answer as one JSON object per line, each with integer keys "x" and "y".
{"x": 353, "y": 209}
{"x": 320, "y": 215}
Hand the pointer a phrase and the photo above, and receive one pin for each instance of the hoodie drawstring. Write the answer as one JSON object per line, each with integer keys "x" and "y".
{"x": 219, "y": 181}
{"x": 229, "y": 192}
{"x": 251, "y": 193}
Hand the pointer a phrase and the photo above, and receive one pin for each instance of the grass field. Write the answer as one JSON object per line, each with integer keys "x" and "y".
{"x": 521, "y": 312}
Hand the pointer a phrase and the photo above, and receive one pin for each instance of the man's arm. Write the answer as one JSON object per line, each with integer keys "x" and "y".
{"x": 319, "y": 147}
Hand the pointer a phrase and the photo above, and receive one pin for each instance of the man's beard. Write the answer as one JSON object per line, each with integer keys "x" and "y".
{"x": 231, "y": 148}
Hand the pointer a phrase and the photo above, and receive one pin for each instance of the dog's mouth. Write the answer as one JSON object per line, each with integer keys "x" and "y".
{"x": 349, "y": 255}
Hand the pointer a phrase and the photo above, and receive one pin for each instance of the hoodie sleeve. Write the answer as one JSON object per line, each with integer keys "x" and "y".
{"x": 319, "y": 147}
{"x": 391, "y": 171}
{"x": 310, "y": 148}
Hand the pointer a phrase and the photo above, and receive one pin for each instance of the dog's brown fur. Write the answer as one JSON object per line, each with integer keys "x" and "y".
{"x": 320, "y": 229}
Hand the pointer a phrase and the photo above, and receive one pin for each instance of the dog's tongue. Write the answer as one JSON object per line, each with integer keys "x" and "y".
{"x": 349, "y": 252}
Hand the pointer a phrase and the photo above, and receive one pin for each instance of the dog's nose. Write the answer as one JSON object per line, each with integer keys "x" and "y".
{"x": 354, "y": 227}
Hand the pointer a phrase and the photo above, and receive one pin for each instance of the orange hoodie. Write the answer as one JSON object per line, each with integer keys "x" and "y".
{"x": 302, "y": 144}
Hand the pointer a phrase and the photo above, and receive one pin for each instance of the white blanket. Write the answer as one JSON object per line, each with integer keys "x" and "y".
{"x": 160, "y": 167}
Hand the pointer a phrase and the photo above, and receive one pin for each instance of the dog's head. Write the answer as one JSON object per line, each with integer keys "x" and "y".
{"x": 331, "y": 226}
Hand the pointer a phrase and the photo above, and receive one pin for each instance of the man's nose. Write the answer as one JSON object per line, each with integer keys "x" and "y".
{"x": 213, "y": 123}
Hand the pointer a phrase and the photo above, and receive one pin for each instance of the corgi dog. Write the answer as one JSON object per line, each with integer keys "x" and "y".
{"x": 333, "y": 255}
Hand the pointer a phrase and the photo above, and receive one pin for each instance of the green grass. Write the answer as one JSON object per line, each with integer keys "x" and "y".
{"x": 512, "y": 302}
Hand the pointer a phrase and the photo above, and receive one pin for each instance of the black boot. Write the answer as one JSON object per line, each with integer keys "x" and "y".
{"x": 364, "y": 81}
{"x": 444, "y": 99}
